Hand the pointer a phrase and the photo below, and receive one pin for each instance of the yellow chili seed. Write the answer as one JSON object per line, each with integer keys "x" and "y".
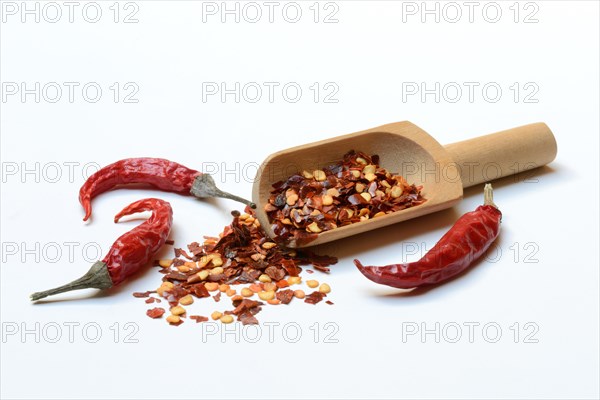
{"x": 366, "y": 196}
{"x": 166, "y": 263}
{"x": 203, "y": 274}
{"x": 307, "y": 174}
{"x": 173, "y": 319}
{"x": 264, "y": 278}
{"x": 183, "y": 268}
{"x": 230, "y": 292}
{"x": 293, "y": 280}
{"x": 314, "y": 228}
{"x": 186, "y": 300}
{"x": 168, "y": 285}
{"x": 379, "y": 214}
{"x": 216, "y": 315}
{"x": 268, "y": 245}
{"x": 217, "y": 261}
{"x": 356, "y": 173}
{"x": 311, "y": 283}
{"x": 216, "y": 271}
{"x": 396, "y": 191}
{"x": 274, "y": 302}
{"x": 370, "y": 177}
{"x": 369, "y": 169}
{"x": 223, "y": 287}
{"x": 333, "y": 192}
{"x": 360, "y": 187}
{"x": 177, "y": 310}
{"x": 269, "y": 286}
{"x": 211, "y": 286}
{"x": 324, "y": 288}
{"x": 327, "y": 200}
{"x": 299, "y": 294}
{"x": 226, "y": 319}
{"x": 266, "y": 295}
{"x": 361, "y": 160}
{"x": 292, "y": 199}
{"x": 319, "y": 175}
{"x": 247, "y": 292}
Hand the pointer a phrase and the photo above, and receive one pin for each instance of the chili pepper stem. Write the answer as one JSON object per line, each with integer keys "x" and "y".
{"x": 488, "y": 195}
{"x": 97, "y": 277}
{"x": 204, "y": 187}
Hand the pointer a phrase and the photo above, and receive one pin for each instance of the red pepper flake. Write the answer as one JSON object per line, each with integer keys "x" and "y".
{"x": 352, "y": 190}
{"x": 310, "y": 271}
{"x": 285, "y": 296}
{"x": 150, "y": 300}
{"x": 314, "y": 298}
{"x": 182, "y": 253}
{"x": 156, "y": 312}
{"x": 243, "y": 259}
{"x": 143, "y": 294}
{"x": 199, "y": 318}
{"x": 170, "y": 242}
{"x": 329, "y": 302}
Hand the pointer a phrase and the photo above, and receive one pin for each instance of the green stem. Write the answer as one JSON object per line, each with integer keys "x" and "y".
{"x": 204, "y": 187}
{"x": 97, "y": 277}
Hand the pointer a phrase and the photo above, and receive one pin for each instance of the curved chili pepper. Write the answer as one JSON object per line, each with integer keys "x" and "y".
{"x": 130, "y": 252}
{"x": 158, "y": 172}
{"x": 464, "y": 243}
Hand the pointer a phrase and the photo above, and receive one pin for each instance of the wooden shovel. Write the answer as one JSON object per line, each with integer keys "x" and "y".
{"x": 406, "y": 149}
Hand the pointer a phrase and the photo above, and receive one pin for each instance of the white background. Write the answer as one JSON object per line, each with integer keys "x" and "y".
{"x": 551, "y": 282}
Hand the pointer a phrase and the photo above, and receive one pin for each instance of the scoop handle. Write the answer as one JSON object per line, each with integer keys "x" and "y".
{"x": 493, "y": 156}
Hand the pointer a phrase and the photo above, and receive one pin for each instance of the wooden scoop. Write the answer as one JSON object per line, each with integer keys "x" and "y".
{"x": 407, "y": 150}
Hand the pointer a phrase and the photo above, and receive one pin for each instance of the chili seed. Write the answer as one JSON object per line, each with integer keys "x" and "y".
{"x": 359, "y": 187}
{"x": 324, "y": 288}
{"x": 333, "y": 192}
{"x": 165, "y": 263}
{"x": 264, "y": 278}
{"x": 255, "y": 288}
{"x": 217, "y": 261}
{"x": 230, "y": 292}
{"x": 216, "y": 315}
{"x": 292, "y": 199}
{"x": 226, "y": 319}
{"x": 379, "y": 214}
{"x": 177, "y": 310}
{"x": 274, "y": 302}
{"x": 361, "y": 160}
{"x": 370, "y": 177}
{"x": 366, "y": 196}
{"x": 299, "y": 294}
{"x": 314, "y": 228}
{"x": 396, "y": 191}
{"x": 186, "y": 300}
{"x": 319, "y": 175}
{"x": 307, "y": 175}
{"x": 294, "y": 280}
{"x": 211, "y": 286}
{"x": 311, "y": 283}
{"x": 203, "y": 274}
{"x": 183, "y": 268}
{"x": 327, "y": 200}
{"x": 269, "y": 286}
{"x": 369, "y": 169}
{"x": 266, "y": 295}
{"x": 173, "y": 319}
{"x": 268, "y": 245}
{"x": 356, "y": 173}
{"x": 223, "y": 287}
{"x": 247, "y": 292}
{"x": 216, "y": 271}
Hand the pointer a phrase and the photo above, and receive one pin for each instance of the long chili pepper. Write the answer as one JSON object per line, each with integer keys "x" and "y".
{"x": 464, "y": 243}
{"x": 163, "y": 174}
{"x": 130, "y": 252}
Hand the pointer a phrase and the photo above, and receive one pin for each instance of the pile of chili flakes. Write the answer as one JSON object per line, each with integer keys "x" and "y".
{"x": 353, "y": 190}
{"x": 242, "y": 254}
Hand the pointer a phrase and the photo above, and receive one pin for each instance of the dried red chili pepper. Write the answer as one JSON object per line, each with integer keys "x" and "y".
{"x": 130, "y": 252}
{"x": 464, "y": 243}
{"x": 163, "y": 174}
